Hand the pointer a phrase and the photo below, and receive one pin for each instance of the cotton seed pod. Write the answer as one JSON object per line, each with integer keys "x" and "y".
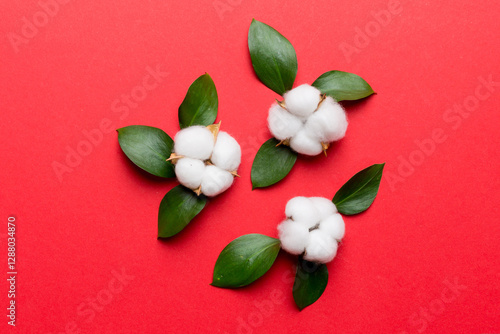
{"x": 329, "y": 122}
{"x": 294, "y": 236}
{"x": 282, "y": 124}
{"x": 307, "y": 120}
{"x": 226, "y": 153}
{"x": 302, "y": 101}
{"x": 333, "y": 226}
{"x": 321, "y": 247}
{"x": 189, "y": 172}
{"x": 195, "y": 142}
{"x": 206, "y": 159}
{"x": 305, "y": 143}
{"x": 313, "y": 228}
{"x": 215, "y": 180}
{"x": 301, "y": 209}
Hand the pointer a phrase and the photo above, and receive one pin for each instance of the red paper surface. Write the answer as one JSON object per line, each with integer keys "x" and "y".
{"x": 433, "y": 121}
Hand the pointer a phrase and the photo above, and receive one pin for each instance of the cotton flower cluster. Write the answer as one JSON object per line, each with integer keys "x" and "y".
{"x": 307, "y": 120}
{"x": 313, "y": 227}
{"x": 206, "y": 159}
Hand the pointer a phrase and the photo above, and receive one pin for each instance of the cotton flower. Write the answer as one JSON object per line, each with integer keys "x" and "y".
{"x": 307, "y": 121}
{"x": 206, "y": 159}
{"x": 313, "y": 228}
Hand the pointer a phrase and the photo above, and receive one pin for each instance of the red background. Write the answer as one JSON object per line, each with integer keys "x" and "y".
{"x": 432, "y": 223}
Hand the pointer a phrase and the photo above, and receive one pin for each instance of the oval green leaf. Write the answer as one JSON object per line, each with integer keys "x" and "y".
{"x": 200, "y": 104}
{"x": 310, "y": 282}
{"x": 244, "y": 260}
{"x": 148, "y": 148}
{"x": 343, "y": 86}
{"x": 273, "y": 57}
{"x": 179, "y": 206}
{"x": 357, "y": 194}
{"x": 272, "y": 163}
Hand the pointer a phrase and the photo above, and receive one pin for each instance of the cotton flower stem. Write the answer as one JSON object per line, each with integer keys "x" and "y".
{"x": 235, "y": 174}
{"x": 325, "y": 146}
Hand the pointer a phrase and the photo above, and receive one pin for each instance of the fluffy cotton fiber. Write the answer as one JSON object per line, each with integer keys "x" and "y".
{"x": 313, "y": 228}
{"x": 320, "y": 248}
{"x": 226, "y": 153}
{"x": 215, "y": 181}
{"x": 306, "y": 144}
{"x": 195, "y": 142}
{"x": 203, "y": 163}
{"x": 282, "y": 124}
{"x": 329, "y": 122}
{"x": 301, "y": 209}
{"x": 323, "y": 206}
{"x": 294, "y": 236}
{"x": 189, "y": 172}
{"x": 306, "y": 120}
{"x": 333, "y": 226}
{"x": 302, "y": 101}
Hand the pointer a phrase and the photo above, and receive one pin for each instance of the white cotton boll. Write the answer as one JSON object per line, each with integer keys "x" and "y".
{"x": 194, "y": 142}
{"x": 227, "y": 152}
{"x": 302, "y": 101}
{"x": 333, "y": 226}
{"x": 324, "y": 206}
{"x": 189, "y": 172}
{"x": 329, "y": 122}
{"x": 215, "y": 181}
{"x": 303, "y": 143}
{"x": 282, "y": 124}
{"x": 302, "y": 210}
{"x": 293, "y": 236}
{"x": 320, "y": 247}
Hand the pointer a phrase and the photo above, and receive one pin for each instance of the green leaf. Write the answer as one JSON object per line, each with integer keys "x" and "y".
{"x": 357, "y": 194}
{"x": 271, "y": 164}
{"x": 273, "y": 57}
{"x": 244, "y": 260}
{"x": 343, "y": 86}
{"x": 200, "y": 104}
{"x": 310, "y": 282}
{"x": 179, "y": 206}
{"x": 148, "y": 148}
